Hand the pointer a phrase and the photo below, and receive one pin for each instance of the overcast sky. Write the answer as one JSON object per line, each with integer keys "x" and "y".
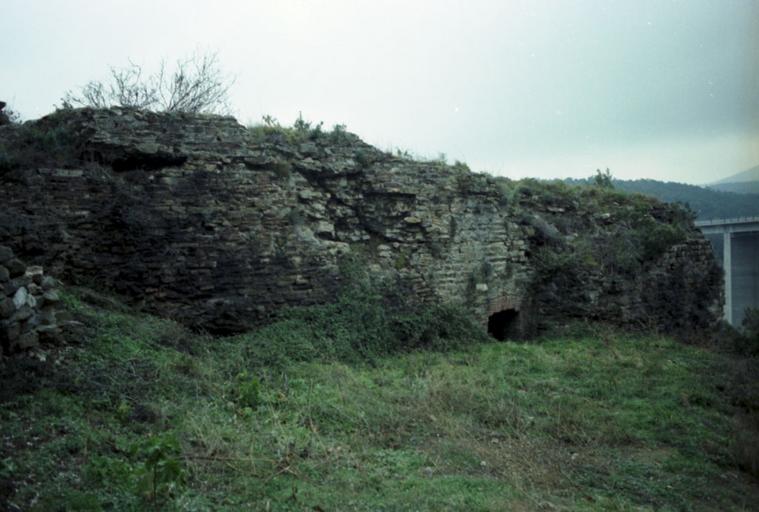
{"x": 648, "y": 88}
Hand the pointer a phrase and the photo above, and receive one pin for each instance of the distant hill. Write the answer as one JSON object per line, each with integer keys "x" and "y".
{"x": 738, "y": 187}
{"x": 741, "y": 177}
{"x": 746, "y": 182}
{"x": 706, "y": 202}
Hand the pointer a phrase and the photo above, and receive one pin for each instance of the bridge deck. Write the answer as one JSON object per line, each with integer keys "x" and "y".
{"x": 736, "y": 225}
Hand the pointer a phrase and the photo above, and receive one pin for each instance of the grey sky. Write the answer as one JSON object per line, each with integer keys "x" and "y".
{"x": 649, "y": 88}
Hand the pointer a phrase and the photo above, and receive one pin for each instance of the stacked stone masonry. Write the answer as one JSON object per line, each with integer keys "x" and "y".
{"x": 199, "y": 219}
{"x": 28, "y": 304}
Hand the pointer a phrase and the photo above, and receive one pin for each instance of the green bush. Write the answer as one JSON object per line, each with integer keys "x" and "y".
{"x": 603, "y": 179}
{"x": 372, "y": 316}
{"x": 159, "y": 469}
{"x": 248, "y": 391}
{"x": 148, "y": 471}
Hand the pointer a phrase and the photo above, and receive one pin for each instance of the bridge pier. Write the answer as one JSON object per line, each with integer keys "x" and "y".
{"x": 727, "y": 267}
{"x": 740, "y": 262}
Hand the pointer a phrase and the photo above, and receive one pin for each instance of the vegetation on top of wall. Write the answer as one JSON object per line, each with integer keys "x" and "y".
{"x": 707, "y": 203}
{"x": 584, "y": 241}
{"x": 194, "y": 84}
{"x": 32, "y": 145}
{"x": 582, "y": 227}
{"x": 270, "y": 130}
{"x": 8, "y": 115}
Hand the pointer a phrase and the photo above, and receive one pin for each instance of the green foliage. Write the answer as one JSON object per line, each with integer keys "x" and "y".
{"x": 123, "y": 411}
{"x": 461, "y": 166}
{"x": 592, "y": 420}
{"x": 33, "y": 145}
{"x": 147, "y": 471}
{"x": 372, "y": 317}
{"x": 751, "y": 323}
{"x": 271, "y": 131}
{"x": 404, "y": 154}
{"x": 248, "y": 392}
{"x": 610, "y": 231}
{"x": 707, "y": 203}
{"x": 159, "y": 470}
{"x": 603, "y": 179}
{"x": 656, "y": 238}
{"x": 747, "y": 341}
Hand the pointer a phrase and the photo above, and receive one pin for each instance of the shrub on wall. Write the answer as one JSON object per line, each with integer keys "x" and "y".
{"x": 373, "y": 316}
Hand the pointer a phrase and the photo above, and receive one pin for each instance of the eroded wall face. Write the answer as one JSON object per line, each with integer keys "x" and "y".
{"x": 225, "y": 250}
{"x": 196, "y": 220}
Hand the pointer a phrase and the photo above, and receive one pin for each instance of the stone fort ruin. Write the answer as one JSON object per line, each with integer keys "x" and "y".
{"x": 197, "y": 218}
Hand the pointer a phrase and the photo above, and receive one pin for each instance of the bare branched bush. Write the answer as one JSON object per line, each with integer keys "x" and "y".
{"x": 195, "y": 84}
{"x": 7, "y": 115}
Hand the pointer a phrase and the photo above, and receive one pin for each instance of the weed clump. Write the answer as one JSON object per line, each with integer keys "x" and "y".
{"x": 270, "y": 130}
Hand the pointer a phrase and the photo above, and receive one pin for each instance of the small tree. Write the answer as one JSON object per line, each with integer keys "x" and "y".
{"x": 603, "y": 179}
{"x": 195, "y": 84}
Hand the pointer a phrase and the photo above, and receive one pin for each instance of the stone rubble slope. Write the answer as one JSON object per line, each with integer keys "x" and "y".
{"x": 28, "y": 305}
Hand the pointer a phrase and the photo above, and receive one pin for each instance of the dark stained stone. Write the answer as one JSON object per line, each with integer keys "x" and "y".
{"x": 15, "y": 267}
{"x": 6, "y": 308}
{"x": 5, "y": 253}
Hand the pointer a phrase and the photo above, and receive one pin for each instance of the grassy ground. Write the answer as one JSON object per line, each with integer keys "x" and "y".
{"x": 138, "y": 414}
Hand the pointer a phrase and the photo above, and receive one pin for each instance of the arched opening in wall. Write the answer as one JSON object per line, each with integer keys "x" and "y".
{"x": 503, "y": 325}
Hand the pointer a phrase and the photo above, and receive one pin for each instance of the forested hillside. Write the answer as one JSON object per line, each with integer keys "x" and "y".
{"x": 707, "y": 203}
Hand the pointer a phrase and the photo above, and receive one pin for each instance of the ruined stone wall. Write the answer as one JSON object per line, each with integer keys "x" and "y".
{"x": 28, "y": 304}
{"x": 198, "y": 219}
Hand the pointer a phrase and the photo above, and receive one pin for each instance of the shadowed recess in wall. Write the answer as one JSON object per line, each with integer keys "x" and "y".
{"x": 503, "y": 325}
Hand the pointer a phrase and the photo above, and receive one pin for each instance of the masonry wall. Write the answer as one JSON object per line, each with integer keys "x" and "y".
{"x": 195, "y": 219}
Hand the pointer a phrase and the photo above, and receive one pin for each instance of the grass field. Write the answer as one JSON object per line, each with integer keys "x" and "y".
{"x": 136, "y": 413}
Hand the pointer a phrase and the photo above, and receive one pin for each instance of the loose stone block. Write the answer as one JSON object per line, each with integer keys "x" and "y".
{"x": 49, "y": 333}
{"x": 20, "y": 297}
{"x": 35, "y": 273}
{"x": 51, "y": 296}
{"x": 48, "y": 283}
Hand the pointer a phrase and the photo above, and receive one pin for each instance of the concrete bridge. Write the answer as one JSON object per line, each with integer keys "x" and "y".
{"x": 736, "y": 245}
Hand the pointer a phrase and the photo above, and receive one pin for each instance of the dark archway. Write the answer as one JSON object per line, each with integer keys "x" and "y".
{"x": 503, "y": 325}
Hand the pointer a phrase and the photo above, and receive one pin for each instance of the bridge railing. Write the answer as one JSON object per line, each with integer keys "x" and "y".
{"x": 726, "y": 222}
